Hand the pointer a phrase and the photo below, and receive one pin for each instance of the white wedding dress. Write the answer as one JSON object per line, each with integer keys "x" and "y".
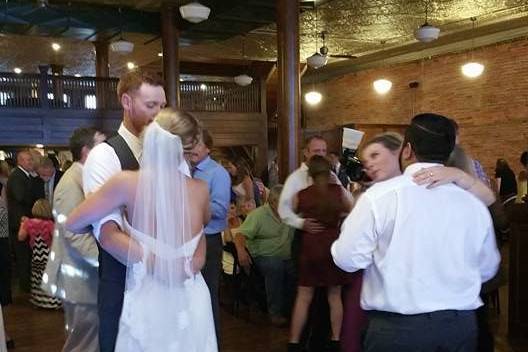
{"x": 166, "y": 307}
{"x": 155, "y": 318}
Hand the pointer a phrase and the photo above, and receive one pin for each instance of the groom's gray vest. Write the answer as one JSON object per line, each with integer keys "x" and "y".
{"x": 112, "y": 273}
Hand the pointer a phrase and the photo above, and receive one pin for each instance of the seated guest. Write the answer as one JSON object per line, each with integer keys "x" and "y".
{"x": 327, "y": 203}
{"x": 268, "y": 240}
{"x": 242, "y": 185}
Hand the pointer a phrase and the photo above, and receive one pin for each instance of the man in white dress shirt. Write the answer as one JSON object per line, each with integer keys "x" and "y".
{"x": 142, "y": 97}
{"x": 425, "y": 252}
{"x": 296, "y": 182}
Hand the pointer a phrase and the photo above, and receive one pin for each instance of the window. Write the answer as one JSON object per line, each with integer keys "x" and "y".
{"x": 90, "y": 101}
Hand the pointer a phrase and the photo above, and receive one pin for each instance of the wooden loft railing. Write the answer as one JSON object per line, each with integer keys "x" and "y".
{"x": 34, "y": 91}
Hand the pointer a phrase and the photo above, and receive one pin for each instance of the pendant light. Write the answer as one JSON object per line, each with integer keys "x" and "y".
{"x": 426, "y": 33}
{"x": 472, "y": 69}
{"x": 382, "y": 85}
{"x": 243, "y": 79}
{"x": 317, "y": 60}
{"x": 195, "y": 12}
{"x": 121, "y": 46}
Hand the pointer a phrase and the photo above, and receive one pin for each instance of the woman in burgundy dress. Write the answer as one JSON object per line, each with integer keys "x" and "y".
{"x": 325, "y": 202}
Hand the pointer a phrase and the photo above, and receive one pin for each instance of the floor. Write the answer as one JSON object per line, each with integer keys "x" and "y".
{"x": 42, "y": 330}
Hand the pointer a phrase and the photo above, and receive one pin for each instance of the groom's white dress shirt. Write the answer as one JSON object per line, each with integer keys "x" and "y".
{"x": 423, "y": 250}
{"x": 102, "y": 163}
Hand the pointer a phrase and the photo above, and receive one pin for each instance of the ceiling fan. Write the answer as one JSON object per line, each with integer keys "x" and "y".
{"x": 325, "y": 51}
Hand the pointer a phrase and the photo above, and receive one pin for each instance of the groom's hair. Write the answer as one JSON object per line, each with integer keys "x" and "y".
{"x": 131, "y": 81}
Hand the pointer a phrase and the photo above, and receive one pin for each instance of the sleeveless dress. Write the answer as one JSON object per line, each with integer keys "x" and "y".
{"x": 316, "y": 266}
{"x": 40, "y": 234}
{"x": 156, "y": 318}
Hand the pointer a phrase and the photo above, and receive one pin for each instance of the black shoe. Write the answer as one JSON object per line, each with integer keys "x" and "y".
{"x": 10, "y": 343}
{"x": 333, "y": 346}
{"x": 294, "y": 347}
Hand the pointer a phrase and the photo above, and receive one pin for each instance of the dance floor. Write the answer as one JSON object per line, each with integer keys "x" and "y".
{"x": 37, "y": 330}
{"x": 41, "y": 330}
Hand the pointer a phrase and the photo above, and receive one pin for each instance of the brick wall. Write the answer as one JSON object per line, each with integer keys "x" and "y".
{"x": 492, "y": 110}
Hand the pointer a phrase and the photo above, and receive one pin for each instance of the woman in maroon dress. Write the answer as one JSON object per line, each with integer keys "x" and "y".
{"x": 325, "y": 202}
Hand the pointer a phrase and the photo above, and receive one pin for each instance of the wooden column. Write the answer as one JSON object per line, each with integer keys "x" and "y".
{"x": 170, "y": 48}
{"x": 289, "y": 86}
{"x": 102, "y": 70}
{"x": 102, "y": 67}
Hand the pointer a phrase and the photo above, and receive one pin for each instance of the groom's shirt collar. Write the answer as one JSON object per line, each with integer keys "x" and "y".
{"x": 132, "y": 141}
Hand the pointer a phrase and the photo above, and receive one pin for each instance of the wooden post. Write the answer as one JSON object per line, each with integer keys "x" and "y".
{"x": 289, "y": 84}
{"x": 102, "y": 71}
{"x": 171, "y": 62}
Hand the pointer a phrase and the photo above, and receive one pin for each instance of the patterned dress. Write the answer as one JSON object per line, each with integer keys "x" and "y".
{"x": 40, "y": 233}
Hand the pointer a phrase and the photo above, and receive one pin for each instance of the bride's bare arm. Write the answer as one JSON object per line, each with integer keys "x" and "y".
{"x": 440, "y": 175}
{"x": 111, "y": 195}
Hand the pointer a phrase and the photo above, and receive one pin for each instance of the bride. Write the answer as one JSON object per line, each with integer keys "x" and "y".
{"x": 166, "y": 306}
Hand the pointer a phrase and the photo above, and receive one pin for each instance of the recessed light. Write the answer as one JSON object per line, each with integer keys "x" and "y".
{"x": 17, "y": 70}
{"x": 160, "y": 54}
{"x": 55, "y": 46}
{"x": 131, "y": 65}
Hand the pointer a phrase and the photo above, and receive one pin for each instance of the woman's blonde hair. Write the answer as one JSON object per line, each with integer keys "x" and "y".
{"x": 390, "y": 140}
{"x": 42, "y": 209}
{"x": 182, "y": 124}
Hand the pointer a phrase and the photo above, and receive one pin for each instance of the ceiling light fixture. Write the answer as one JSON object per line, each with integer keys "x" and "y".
{"x": 17, "y": 70}
{"x": 121, "y": 46}
{"x": 472, "y": 69}
{"x": 40, "y": 146}
{"x": 77, "y": 75}
{"x": 243, "y": 79}
{"x": 131, "y": 65}
{"x": 160, "y": 54}
{"x": 317, "y": 60}
{"x": 313, "y": 97}
{"x": 55, "y": 46}
{"x": 382, "y": 86}
{"x": 426, "y": 33}
{"x": 195, "y": 12}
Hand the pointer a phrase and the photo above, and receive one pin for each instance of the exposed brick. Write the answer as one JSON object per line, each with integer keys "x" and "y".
{"x": 492, "y": 110}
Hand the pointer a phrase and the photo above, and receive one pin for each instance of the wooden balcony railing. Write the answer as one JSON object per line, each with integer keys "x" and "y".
{"x": 42, "y": 91}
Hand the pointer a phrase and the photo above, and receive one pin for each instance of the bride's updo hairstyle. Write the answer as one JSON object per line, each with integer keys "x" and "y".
{"x": 182, "y": 124}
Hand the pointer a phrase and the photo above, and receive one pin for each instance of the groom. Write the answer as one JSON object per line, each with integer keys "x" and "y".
{"x": 142, "y": 97}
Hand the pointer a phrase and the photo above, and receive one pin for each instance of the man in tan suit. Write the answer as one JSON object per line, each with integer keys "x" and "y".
{"x": 71, "y": 272}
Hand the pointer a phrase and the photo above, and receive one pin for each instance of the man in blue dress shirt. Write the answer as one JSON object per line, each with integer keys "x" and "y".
{"x": 219, "y": 184}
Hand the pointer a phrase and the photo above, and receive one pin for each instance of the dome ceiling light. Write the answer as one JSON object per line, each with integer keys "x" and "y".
{"x": 121, "y": 46}
{"x": 195, "y": 12}
{"x": 426, "y": 33}
{"x": 313, "y": 97}
{"x": 243, "y": 80}
{"x": 382, "y": 86}
{"x": 472, "y": 69}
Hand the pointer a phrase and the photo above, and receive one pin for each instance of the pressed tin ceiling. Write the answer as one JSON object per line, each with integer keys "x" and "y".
{"x": 354, "y": 27}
